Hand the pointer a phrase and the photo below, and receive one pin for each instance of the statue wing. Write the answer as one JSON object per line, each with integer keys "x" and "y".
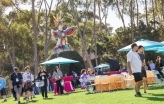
{"x": 70, "y": 31}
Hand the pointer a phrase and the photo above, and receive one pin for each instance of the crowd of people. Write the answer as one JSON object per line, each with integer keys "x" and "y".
{"x": 23, "y": 83}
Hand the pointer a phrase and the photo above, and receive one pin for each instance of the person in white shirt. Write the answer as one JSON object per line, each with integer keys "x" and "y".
{"x": 28, "y": 79}
{"x": 152, "y": 65}
{"x": 134, "y": 65}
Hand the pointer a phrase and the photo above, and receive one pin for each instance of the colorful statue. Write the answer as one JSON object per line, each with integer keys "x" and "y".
{"x": 61, "y": 34}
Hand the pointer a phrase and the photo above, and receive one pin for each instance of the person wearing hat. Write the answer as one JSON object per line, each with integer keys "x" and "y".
{"x": 16, "y": 82}
{"x": 2, "y": 88}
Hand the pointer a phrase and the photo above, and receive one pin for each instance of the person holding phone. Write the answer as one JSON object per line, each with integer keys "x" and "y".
{"x": 43, "y": 76}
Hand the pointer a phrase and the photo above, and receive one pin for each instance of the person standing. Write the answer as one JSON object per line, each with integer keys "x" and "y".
{"x": 57, "y": 74}
{"x": 158, "y": 67}
{"x": 16, "y": 83}
{"x": 134, "y": 65}
{"x": 2, "y": 88}
{"x": 12, "y": 91}
{"x": 43, "y": 76}
{"x": 143, "y": 71}
{"x": 28, "y": 80}
{"x": 152, "y": 65}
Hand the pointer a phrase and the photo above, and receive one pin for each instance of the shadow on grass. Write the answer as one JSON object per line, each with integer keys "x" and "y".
{"x": 155, "y": 87}
{"x": 162, "y": 95}
{"x": 90, "y": 93}
{"x": 78, "y": 91}
{"x": 154, "y": 98}
{"x": 34, "y": 101}
{"x": 49, "y": 99}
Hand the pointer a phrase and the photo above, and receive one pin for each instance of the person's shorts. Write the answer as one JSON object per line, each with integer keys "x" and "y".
{"x": 3, "y": 91}
{"x": 28, "y": 88}
{"x": 18, "y": 88}
{"x": 143, "y": 72}
{"x": 137, "y": 76}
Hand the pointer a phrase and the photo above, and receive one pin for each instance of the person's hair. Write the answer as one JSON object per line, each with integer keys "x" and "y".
{"x": 133, "y": 45}
{"x": 27, "y": 67}
{"x": 83, "y": 70}
{"x": 40, "y": 68}
{"x": 0, "y": 75}
{"x": 158, "y": 56}
{"x": 55, "y": 69}
{"x": 140, "y": 46}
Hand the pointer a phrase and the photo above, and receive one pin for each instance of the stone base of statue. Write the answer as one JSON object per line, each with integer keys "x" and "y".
{"x": 59, "y": 49}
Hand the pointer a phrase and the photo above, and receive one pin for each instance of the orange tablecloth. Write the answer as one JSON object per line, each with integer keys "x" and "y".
{"x": 113, "y": 85}
{"x": 150, "y": 77}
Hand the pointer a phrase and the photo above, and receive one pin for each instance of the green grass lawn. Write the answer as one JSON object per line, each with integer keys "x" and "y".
{"x": 155, "y": 95}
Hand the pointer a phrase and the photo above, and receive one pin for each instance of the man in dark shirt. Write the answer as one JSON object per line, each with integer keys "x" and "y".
{"x": 16, "y": 81}
{"x": 12, "y": 90}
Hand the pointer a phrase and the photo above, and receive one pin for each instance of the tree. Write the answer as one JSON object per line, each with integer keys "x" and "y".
{"x": 82, "y": 31}
{"x": 35, "y": 38}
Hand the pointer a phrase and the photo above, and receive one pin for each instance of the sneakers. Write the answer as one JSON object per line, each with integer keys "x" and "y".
{"x": 145, "y": 92}
{"x": 138, "y": 94}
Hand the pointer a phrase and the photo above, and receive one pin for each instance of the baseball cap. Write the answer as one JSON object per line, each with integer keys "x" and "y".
{"x": 16, "y": 68}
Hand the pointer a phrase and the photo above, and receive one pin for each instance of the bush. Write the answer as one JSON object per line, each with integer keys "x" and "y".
{"x": 68, "y": 68}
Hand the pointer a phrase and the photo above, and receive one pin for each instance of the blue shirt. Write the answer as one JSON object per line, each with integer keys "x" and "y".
{"x": 2, "y": 83}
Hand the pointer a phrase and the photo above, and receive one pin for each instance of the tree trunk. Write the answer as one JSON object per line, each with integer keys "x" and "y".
{"x": 120, "y": 14}
{"x": 11, "y": 59}
{"x": 146, "y": 13}
{"x": 99, "y": 6}
{"x": 35, "y": 38}
{"x": 156, "y": 8}
{"x": 131, "y": 16}
{"x": 46, "y": 34}
{"x": 95, "y": 36}
{"x": 163, "y": 9}
{"x": 13, "y": 51}
{"x": 137, "y": 12}
{"x": 153, "y": 13}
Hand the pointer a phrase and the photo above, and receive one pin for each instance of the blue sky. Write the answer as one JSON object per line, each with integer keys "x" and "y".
{"x": 112, "y": 19}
